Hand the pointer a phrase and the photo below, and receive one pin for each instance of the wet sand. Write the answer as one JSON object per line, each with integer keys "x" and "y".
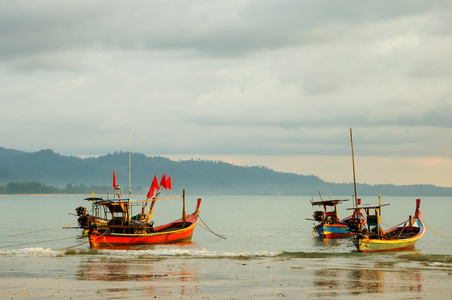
{"x": 228, "y": 279}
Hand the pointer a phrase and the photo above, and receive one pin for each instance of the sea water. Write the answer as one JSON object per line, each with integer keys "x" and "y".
{"x": 269, "y": 253}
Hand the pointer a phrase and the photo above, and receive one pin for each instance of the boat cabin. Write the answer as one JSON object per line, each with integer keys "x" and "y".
{"x": 329, "y": 213}
{"x": 373, "y": 215}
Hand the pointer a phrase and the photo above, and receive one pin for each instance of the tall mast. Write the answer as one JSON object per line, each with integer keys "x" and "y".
{"x": 130, "y": 161}
{"x": 353, "y": 163}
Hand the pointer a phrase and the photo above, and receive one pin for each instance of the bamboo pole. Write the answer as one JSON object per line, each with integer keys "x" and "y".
{"x": 184, "y": 215}
{"x": 353, "y": 163}
{"x": 401, "y": 231}
{"x": 130, "y": 162}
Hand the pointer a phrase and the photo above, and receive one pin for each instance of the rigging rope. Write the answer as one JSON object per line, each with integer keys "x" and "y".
{"x": 164, "y": 216}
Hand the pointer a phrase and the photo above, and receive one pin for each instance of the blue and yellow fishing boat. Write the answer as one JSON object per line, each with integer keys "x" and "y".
{"x": 329, "y": 224}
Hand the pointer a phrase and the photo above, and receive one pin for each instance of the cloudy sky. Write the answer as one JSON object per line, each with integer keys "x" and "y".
{"x": 267, "y": 83}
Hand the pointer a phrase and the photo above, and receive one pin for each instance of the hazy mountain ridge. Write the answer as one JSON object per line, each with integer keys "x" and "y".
{"x": 196, "y": 176}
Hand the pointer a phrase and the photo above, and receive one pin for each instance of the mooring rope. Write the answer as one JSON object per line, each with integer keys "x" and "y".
{"x": 75, "y": 245}
{"x": 314, "y": 232}
{"x": 447, "y": 237}
{"x": 38, "y": 242}
{"x": 218, "y": 235}
{"x": 40, "y": 230}
{"x": 206, "y": 227}
{"x": 86, "y": 243}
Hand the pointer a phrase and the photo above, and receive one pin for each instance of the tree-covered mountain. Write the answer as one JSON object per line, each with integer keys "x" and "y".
{"x": 196, "y": 176}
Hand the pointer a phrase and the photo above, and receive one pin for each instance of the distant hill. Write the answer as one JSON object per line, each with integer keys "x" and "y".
{"x": 196, "y": 176}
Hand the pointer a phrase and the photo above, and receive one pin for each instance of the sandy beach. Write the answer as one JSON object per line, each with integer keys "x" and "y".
{"x": 259, "y": 278}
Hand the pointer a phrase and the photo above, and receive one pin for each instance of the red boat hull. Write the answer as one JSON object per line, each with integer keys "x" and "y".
{"x": 160, "y": 236}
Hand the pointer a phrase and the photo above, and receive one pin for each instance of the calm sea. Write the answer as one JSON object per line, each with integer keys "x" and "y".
{"x": 269, "y": 253}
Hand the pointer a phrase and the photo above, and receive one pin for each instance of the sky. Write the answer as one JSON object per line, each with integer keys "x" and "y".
{"x": 254, "y": 83}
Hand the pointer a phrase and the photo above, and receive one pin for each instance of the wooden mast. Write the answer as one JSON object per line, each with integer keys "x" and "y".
{"x": 353, "y": 163}
{"x": 184, "y": 215}
{"x": 129, "y": 211}
{"x": 130, "y": 161}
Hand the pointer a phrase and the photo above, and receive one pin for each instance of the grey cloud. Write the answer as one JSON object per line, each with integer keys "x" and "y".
{"x": 244, "y": 77}
{"x": 224, "y": 29}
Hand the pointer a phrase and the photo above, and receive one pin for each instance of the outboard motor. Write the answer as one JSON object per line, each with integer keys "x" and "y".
{"x": 81, "y": 211}
{"x": 354, "y": 224}
{"x": 83, "y": 217}
{"x": 319, "y": 216}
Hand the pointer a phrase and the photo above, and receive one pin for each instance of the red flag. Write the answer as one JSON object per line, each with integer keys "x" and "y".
{"x": 155, "y": 183}
{"x": 154, "y": 186}
{"x": 163, "y": 181}
{"x": 168, "y": 183}
{"x": 114, "y": 179}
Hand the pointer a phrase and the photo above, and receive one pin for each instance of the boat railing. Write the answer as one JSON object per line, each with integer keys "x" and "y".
{"x": 155, "y": 199}
{"x": 132, "y": 202}
{"x": 407, "y": 223}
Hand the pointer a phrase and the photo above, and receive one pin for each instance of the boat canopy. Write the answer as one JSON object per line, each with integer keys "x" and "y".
{"x": 328, "y": 202}
{"x": 367, "y": 206}
{"x": 93, "y": 198}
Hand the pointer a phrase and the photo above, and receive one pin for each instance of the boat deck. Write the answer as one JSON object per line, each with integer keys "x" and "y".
{"x": 175, "y": 226}
{"x": 406, "y": 233}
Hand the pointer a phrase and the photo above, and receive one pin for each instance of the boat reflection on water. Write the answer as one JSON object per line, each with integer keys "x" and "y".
{"x": 141, "y": 274}
{"x": 324, "y": 244}
{"x": 387, "y": 281}
{"x": 123, "y": 270}
{"x": 366, "y": 280}
{"x": 327, "y": 282}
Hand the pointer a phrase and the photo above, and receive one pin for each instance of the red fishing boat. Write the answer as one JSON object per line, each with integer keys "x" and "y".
{"x": 112, "y": 222}
{"x": 122, "y": 230}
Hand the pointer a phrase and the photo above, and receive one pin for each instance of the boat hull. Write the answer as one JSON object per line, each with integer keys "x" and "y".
{"x": 332, "y": 231}
{"x": 328, "y": 231}
{"x": 376, "y": 245}
{"x": 100, "y": 239}
{"x": 369, "y": 245}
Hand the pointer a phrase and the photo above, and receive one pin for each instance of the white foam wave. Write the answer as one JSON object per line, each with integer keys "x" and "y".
{"x": 30, "y": 252}
{"x": 195, "y": 253}
{"x": 151, "y": 253}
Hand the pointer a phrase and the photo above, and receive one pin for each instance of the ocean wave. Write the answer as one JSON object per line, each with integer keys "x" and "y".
{"x": 147, "y": 253}
{"x": 31, "y": 252}
{"x": 288, "y": 255}
{"x": 188, "y": 253}
{"x": 168, "y": 252}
